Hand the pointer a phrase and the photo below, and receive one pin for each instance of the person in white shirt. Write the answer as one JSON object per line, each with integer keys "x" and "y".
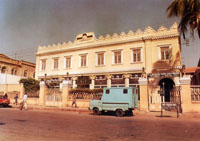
{"x": 25, "y": 101}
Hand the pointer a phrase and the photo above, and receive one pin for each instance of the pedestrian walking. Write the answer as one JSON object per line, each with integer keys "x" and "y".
{"x": 5, "y": 96}
{"x": 23, "y": 104}
{"x": 74, "y": 101}
{"x": 16, "y": 98}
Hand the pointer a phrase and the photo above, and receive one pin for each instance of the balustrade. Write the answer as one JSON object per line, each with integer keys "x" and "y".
{"x": 195, "y": 92}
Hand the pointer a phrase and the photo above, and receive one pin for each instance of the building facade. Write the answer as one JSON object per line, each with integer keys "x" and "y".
{"x": 11, "y": 70}
{"x": 113, "y": 61}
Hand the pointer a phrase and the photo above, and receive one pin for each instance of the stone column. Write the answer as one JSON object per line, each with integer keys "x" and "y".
{"x": 186, "y": 94}
{"x": 109, "y": 76}
{"x": 126, "y": 76}
{"x": 144, "y": 100}
{"x": 65, "y": 91}
{"x": 22, "y": 91}
{"x": 42, "y": 95}
{"x": 74, "y": 85}
{"x": 92, "y": 77}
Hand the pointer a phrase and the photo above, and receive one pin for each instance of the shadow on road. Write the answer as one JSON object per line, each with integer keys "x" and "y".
{"x": 19, "y": 120}
{"x": 1, "y": 123}
{"x": 164, "y": 116}
{"x": 9, "y": 106}
{"x": 113, "y": 114}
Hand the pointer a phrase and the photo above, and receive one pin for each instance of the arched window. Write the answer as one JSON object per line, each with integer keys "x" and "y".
{"x": 14, "y": 71}
{"x": 34, "y": 75}
{"x": 3, "y": 70}
{"x": 25, "y": 73}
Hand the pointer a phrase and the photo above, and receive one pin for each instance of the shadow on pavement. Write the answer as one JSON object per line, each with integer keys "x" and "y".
{"x": 112, "y": 114}
{"x": 9, "y": 106}
{"x": 19, "y": 120}
{"x": 164, "y": 116}
{"x": 2, "y": 123}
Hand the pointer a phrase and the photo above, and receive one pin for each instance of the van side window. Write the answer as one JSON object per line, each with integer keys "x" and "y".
{"x": 107, "y": 91}
{"x": 125, "y": 91}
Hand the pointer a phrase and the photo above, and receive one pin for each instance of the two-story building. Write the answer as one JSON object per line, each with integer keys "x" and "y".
{"x": 113, "y": 61}
{"x": 11, "y": 70}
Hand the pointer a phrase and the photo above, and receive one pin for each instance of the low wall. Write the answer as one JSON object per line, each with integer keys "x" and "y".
{"x": 12, "y": 90}
{"x": 81, "y": 103}
{"x": 193, "y": 107}
{"x": 31, "y": 101}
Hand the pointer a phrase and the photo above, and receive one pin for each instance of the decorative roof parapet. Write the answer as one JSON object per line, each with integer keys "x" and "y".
{"x": 139, "y": 32}
{"x": 89, "y": 39}
{"x": 130, "y": 33}
{"x": 115, "y": 35}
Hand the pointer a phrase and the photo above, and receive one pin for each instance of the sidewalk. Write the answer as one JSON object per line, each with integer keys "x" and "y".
{"x": 192, "y": 115}
{"x": 52, "y": 108}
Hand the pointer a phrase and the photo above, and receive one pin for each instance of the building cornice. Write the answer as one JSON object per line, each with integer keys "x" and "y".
{"x": 139, "y": 36}
{"x": 100, "y": 44}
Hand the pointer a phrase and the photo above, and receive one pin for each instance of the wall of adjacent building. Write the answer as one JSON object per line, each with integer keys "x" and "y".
{"x": 9, "y": 79}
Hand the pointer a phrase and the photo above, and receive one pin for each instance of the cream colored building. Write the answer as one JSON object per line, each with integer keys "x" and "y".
{"x": 114, "y": 60}
{"x": 19, "y": 68}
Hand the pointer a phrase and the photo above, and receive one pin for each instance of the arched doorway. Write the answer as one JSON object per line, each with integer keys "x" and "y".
{"x": 167, "y": 85}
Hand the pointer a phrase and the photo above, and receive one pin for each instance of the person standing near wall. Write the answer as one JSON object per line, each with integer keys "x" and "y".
{"x": 16, "y": 97}
{"x": 25, "y": 101}
{"x": 74, "y": 102}
{"x": 6, "y": 96}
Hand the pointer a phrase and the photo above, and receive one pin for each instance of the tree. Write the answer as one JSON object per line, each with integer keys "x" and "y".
{"x": 189, "y": 13}
{"x": 30, "y": 84}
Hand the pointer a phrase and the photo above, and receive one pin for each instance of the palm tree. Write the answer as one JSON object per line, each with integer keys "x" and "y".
{"x": 189, "y": 13}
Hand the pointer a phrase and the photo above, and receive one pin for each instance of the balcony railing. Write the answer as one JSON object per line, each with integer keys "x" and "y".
{"x": 195, "y": 92}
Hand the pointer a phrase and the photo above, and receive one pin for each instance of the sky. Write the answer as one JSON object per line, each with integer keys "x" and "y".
{"x": 26, "y": 24}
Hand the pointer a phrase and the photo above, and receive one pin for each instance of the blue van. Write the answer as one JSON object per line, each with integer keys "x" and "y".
{"x": 121, "y": 100}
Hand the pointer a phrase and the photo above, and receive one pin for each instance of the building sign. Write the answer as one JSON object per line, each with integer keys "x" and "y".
{"x": 169, "y": 74}
{"x": 168, "y": 106}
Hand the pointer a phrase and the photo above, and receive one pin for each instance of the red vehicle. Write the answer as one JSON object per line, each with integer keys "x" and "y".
{"x": 4, "y": 101}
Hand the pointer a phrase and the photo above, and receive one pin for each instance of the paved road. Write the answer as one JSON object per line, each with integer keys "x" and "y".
{"x": 32, "y": 125}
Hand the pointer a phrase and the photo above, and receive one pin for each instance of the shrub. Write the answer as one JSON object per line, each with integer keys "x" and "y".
{"x": 30, "y": 84}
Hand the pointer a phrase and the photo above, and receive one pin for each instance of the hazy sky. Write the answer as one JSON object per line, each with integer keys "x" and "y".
{"x": 25, "y": 24}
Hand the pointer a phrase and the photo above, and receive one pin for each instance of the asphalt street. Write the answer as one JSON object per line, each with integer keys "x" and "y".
{"x": 37, "y": 125}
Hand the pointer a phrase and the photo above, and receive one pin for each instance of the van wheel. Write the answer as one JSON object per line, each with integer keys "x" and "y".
{"x": 96, "y": 111}
{"x": 119, "y": 113}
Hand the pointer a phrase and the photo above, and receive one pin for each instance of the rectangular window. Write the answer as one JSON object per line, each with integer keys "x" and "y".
{"x": 100, "y": 59}
{"x": 43, "y": 64}
{"x": 125, "y": 91}
{"x": 83, "y": 60}
{"x": 137, "y": 55}
{"x": 165, "y": 53}
{"x": 68, "y": 62}
{"x": 117, "y": 57}
{"x": 55, "y": 63}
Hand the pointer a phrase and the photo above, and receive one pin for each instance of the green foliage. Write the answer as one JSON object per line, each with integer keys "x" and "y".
{"x": 88, "y": 91}
{"x": 189, "y": 13}
{"x": 30, "y": 84}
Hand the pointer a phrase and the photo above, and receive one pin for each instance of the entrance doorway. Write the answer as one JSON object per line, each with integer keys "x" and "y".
{"x": 166, "y": 85}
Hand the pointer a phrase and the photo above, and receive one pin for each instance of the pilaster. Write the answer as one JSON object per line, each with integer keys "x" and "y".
{"x": 65, "y": 91}
{"x": 43, "y": 91}
{"x": 74, "y": 78}
{"x": 126, "y": 76}
{"x": 92, "y": 77}
{"x": 143, "y": 82}
{"x": 108, "y": 77}
{"x": 186, "y": 94}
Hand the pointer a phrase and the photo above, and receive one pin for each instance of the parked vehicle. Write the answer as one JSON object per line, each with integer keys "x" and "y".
{"x": 4, "y": 101}
{"x": 121, "y": 100}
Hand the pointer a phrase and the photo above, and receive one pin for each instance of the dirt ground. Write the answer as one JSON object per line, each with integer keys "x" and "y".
{"x": 32, "y": 125}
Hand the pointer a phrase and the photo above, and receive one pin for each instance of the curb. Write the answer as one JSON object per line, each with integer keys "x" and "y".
{"x": 53, "y": 108}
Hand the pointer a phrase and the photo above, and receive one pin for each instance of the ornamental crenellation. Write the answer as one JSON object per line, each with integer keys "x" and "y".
{"x": 148, "y": 33}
